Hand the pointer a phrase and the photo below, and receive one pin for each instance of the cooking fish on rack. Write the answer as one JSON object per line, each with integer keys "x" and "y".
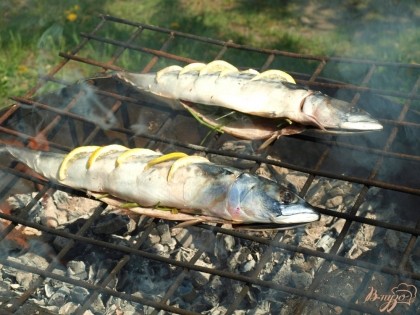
{"x": 191, "y": 184}
{"x": 270, "y": 94}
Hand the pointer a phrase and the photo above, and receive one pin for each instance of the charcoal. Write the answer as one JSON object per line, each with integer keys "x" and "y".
{"x": 76, "y": 270}
{"x": 60, "y": 296}
{"x": 68, "y": 308}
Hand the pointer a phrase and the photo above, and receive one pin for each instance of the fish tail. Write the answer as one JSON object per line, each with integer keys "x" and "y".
{"x": 46, "y": 164}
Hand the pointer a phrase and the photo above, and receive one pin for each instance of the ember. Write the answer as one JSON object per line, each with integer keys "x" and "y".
{"x": 63, "y": 252}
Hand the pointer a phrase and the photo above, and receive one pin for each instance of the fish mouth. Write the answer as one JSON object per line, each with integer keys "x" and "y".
{"x": 297, "y": 213}
{"x": 360, "y": 123}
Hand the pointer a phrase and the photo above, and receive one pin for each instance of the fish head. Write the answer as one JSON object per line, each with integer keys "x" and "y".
{"x": 256, "y": 199}
{"x": 333, "y": 114}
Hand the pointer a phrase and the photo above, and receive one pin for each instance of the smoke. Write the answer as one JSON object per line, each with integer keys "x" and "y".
{"x": 50, "y": 42}
{"x": 92, "y": 107}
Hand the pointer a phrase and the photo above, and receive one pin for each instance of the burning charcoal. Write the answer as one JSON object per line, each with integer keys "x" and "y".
{"x": 183, "y": 237}
{"x": 334, "y": 202}
{"x": 200, "y": 279}
{"x": 76, "y": 270}
{"x": 25, "y": 279}
{"x": 297, "y": 179}
{"x": 187, "y": 292}
{"x": 68, "y": 308}
{"x": 60, "y": 296}
{"x": 114, "y": 224}
{"x": 248, "y": 266}
{"x": 97, "y": 306}
{"x": 223, "y": 246}
{"x": 301, "y": 279}
{"x": 165, "y": 235}
{"x": 229, "y": 242}
{"x": 79, "y": 294}
{"x": 154, "y": 237}
{"x": 49, "y": 290}
{"x": 326, "y": 242}
{"x": 19, "y": 201}
{"x": 117, "y": 306}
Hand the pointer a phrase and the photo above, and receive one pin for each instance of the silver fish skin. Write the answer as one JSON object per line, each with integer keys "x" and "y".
{"x": 253, "y": 94}
{"x": 201, "y": 188}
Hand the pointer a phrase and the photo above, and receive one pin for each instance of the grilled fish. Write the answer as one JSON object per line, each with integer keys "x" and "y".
{"x": 190, "y": 183}
{"x": 270, "y": 94}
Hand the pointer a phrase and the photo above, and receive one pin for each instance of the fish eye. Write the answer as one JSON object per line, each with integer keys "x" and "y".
{"x": 286, "y": 197}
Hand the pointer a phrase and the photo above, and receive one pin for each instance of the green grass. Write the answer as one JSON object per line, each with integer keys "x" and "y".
{"x": 33, "y": 32}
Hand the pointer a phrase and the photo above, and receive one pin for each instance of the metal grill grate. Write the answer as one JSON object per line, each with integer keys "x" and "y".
{"x": 377, "y": 165}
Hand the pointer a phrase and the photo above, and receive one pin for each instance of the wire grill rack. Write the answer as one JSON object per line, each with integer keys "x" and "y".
{"x": 105, "y": 112}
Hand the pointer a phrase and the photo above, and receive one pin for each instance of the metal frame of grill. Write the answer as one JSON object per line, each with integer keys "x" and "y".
{"x": 64, "y": 116}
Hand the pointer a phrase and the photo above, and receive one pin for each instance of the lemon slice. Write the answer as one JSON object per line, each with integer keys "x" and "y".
{"x": 74, "y": 154}
{"x": 103, "y": 151}
{"x": 274, "y": 75}
{"x": 250, "y": 71}
{"x": 164, "y": 158}
{"x": 184, "y": 161}
{"x": 218, "y": 66}
{"x": 162, "y": 72}
{"x": 133, "y": 152}
{"x": 195, "y": 66}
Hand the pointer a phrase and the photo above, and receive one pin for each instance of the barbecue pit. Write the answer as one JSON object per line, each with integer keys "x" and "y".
{"x": 363, "y": 254}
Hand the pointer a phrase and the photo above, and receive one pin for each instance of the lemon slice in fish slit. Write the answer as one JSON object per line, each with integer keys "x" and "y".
{"x": 195, "y": 66}
{"x": 275, "y": 75}
{"x": 166, "y": 70}
{"x": 218, "y": 66}
{"x": 103, "y": 151}
{"x": 164, "y": 158}
{"x": 250, "y": 71}
{"x": 74, "y": 154}
{"x": 185, "y": 161}
{"x": 133, "y": 152}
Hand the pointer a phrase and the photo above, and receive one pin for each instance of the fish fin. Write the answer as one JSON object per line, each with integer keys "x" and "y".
{"x": 164, "y": 158}
{"x": 166, "y": 70}
{"x": 133, "y": 152}
{"x": 102, "y": 151}
{"x": 185, "y": 161}
{"x": 286, "y": 131}
{"x": 276, "y": 75}
{"x": 192, "y": 67}
{"x": 218, "y": 66}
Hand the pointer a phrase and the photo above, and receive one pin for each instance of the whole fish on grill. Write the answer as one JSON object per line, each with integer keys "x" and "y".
{"x": 270, "y": 94}
{"x": 191, "y": 184}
